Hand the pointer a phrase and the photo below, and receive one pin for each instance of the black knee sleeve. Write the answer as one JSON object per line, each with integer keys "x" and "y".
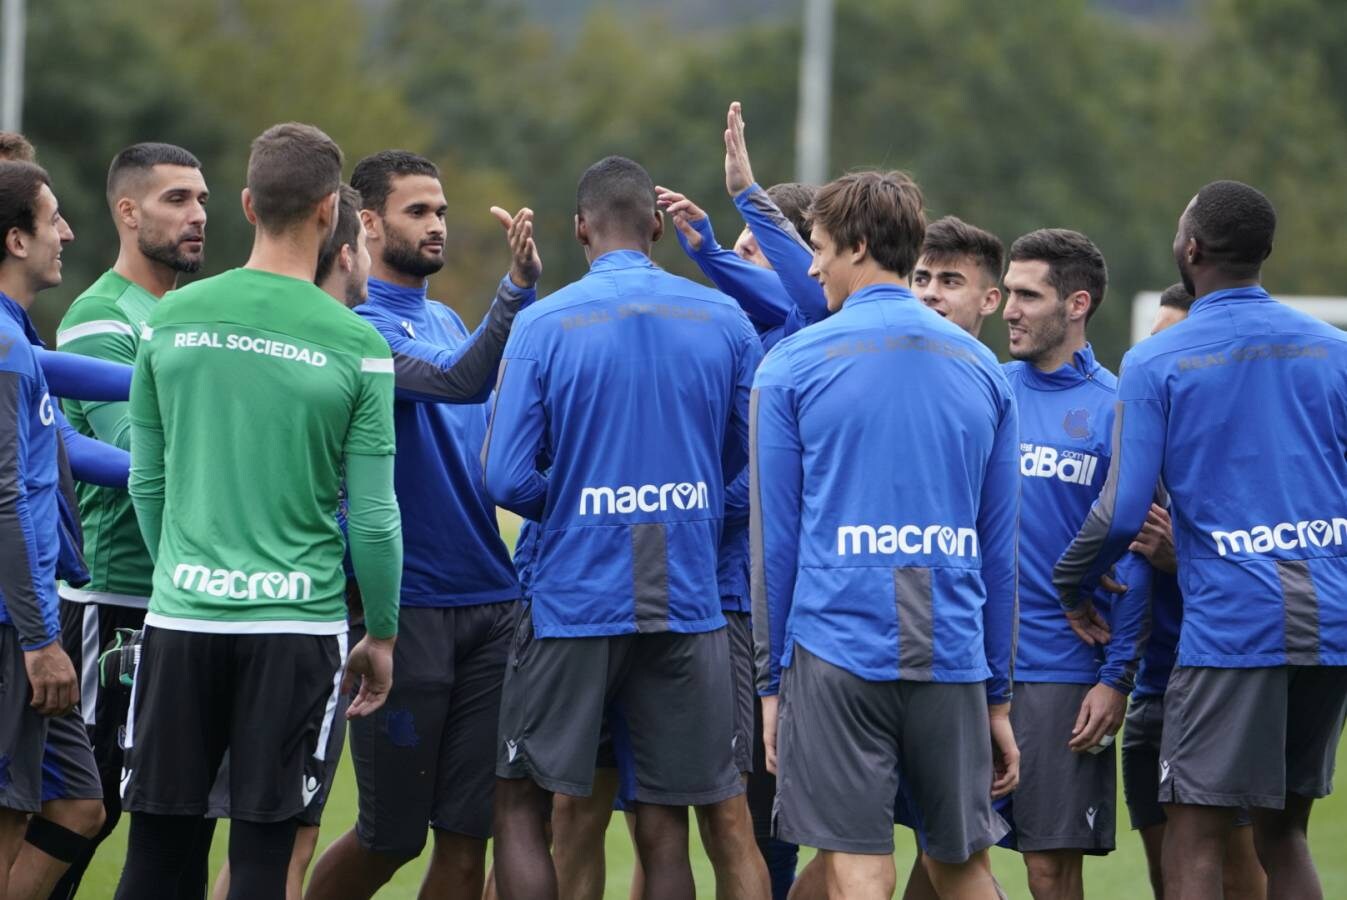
{"x": 259, "y": 859}
{"x": 56, "y": 841}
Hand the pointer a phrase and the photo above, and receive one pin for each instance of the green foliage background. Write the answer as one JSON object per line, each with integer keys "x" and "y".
{"x": 1013, "y": 116}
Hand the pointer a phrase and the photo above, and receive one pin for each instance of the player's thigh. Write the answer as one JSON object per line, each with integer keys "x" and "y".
{"x": 69, "y": 771}
{"x": 23, "y": 733}
{"x": 1141, "y": 761}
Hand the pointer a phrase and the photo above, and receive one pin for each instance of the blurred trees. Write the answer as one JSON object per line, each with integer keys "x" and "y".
{"x": 1013, "y": 116}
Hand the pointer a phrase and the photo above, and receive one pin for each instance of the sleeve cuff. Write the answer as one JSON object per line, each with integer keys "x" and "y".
{"x": 514, "y": 295}
{"x": 743, "y": 195}
{"x": 29, "y": 646}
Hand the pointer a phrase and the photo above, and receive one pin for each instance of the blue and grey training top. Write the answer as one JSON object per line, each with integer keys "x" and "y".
{"x": 885, "y": 491}
{"x": 632, "y": 384}
{"x": 453, "y": 554}
{"x": 1066, "y": 418}
{"x": 1242, "y": 408}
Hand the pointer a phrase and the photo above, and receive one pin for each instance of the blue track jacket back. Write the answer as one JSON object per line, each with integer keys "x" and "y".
{"x": 1066, "y": 418}
{"x": 885, "y": 491}
{"x": 633, "y": 385}
{"x": 1242, "y": 408}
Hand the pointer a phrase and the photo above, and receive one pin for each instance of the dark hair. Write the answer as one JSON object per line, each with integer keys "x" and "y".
{"x": 347, "y": 233}
{"x": 794, "y": 200}
{"x": 1234, "y": 225}
{"x": 952, "y": 238}
{"x": 20, "y": 184}
{"x": 291, "y": 169}
{"x": 1176, "y": 296}
{"x": 616, "y": 194}
{"x": 137, "y": 160}
{"x": 885, "y": 210}
{"x": 15, "y": 147}
{"x": 373, "y": 176}
{"x": 1074, "y": 262}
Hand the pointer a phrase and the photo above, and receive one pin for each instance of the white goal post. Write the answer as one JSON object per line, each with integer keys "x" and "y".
{"x": 1332, "y": 310}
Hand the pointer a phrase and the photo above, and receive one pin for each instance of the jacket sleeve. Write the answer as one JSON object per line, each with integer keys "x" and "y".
{"x": 998, "y": 537}
{"x": 374, "y": 539}
{"x": 146, "y": 483}
{"x": 91, "y": 460}
{"x": 757, "y": 290}
{"x": 514, "y": 436}
{"x": 789, "y": 255}
{"x": 1130, "y": 623}
{"x": 432, "y": 374}
{"x": 737, "y": 432}
{"x": 1120, "y": 509}
{"x": 24, "y": 585}
{"x": 776, "y": 476}
{"x": 84, "y": 377}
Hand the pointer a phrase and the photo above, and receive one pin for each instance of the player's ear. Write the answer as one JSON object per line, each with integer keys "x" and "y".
{"x": 370, "y": 222}
{"x": 859, "y": 252}
{"x": 991, "y": 301}
{"x": 657, "y": 231}
{"x": 1078, "y": 305}
{"x": 15, "y": 245}
{"x": 581, "y": 230}
{"x": 346, "y": 259}
{"x": 248, "y": 213}
{"x": 126, "y": 212}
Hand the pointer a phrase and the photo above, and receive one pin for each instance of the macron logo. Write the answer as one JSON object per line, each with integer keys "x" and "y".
{"x": 512, "y": 749}
{"x": 599, "y": 501}
{"x": 909, "y": 539}
{"x": 1064, "y": 465}
{"x": 1164, "y": 770}
{"x": 1090, "y": 814}
{"x": 1304, "y": 535}
{"x": 238, "y": 585}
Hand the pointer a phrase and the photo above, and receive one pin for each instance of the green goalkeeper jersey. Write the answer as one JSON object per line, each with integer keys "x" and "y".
{"x": 257, "y": 385}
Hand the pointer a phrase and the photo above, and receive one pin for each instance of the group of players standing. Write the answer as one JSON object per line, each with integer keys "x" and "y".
{"x": 877, "y": 525}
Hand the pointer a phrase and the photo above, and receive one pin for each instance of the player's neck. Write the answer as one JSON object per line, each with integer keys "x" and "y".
{"x": 16, "y": 286}
{"x": 384, "y": 272}
{"x": 1060, "y": 355}
{"x": 1219, "y": 281}
{"x": 601, "y": 245}
{"x": 152, "y": 275}
{"x": 290, "y": 254}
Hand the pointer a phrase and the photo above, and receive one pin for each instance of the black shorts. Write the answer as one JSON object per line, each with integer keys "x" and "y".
{"x": 86, "y": 631}
{"x": 41, "y": 759}
{"x": 1249, "y": 737}
{"x": 743, "y": 694}
{"x": 668, "y": 688}
{"x": 428, "y": 758}
{"x": 269, "y": 699}
{"x": 844, "y": 742}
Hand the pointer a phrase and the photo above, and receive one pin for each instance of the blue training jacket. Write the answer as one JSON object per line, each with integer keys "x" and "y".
{"x": 29, "y": 479}
{"x": 1242, "y": 408}
{"x": 885, "y": 489}
{"x": 789, "y": 255}
{"x": 1066, "y": 417}
{"x": 632, "y": 384}
{"x": 453, "y": 554}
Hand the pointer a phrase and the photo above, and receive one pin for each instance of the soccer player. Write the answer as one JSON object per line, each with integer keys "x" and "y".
{"x": 959, "y": 272}
{"x": 1243, "y": 877}
{"x": 884, "y": 605}
{"x": 428, "y": 759}
{"x": 1255, "y": 706}
{"x": 157, "y": 198}
{"x": 634, "y": 383}
{"x": 246, "y": 631}
{"x": 1070, "y": 695}
{"x": 50, "y": 774}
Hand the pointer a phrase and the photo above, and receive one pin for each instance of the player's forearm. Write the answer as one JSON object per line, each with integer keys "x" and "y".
{"x": 465, "y": 375}
{"x": 789, "y": 255}
{"x": 93, "y": 461}
{"x": 374, "y": 539}
{"x": 146, "y": 483}
{"x": 1130, "y": 624}
{"x": 79, "y": 377}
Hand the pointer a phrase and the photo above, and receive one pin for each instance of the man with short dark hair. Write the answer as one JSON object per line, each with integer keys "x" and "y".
{"x": 1255, "y": 707}
{"x": 49, "y": 768}
{"x": 16, "y": 147}
{"x": 157, "y": 198}
{"x": 959, "y": 272}
{"x": 897, "y": 652}
{"x": 248, "y": 614}
{"x": 625, "y": 616}
{"x": 344, "y": 261}
{"x": 427, "y": 761}
{"x": 1070, "y": 693}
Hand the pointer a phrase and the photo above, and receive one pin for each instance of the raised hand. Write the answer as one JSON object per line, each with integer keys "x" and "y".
{"x": 683, "y": 212}
{"x": 738, "y": 170}
{"x": 526, "y": 266}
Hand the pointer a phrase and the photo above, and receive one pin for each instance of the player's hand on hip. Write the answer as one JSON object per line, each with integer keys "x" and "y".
{"x": 1101, "y": 715}
{"x": 526, "y": 266}
{"x": 1088, "y": 624}
{"x": 1155, "y": 541}
{"x": 769, "y": 709}
{"x": 371, "y": 662}
{"x": 738, "y": 170}
{"x": 51, "y": 675}
{"x": 1005, "y": 752}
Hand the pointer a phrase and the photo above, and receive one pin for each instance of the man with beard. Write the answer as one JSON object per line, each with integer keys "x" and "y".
{"x": 427, "y": 760}
{"x": 1070, "y": 694}
{"x": 157, "y": 198}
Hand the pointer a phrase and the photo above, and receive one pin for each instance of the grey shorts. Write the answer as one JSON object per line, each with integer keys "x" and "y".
{"x": 1065, "y": 800}
{"x": 743, "y": 696}
{"x": 668, "y": 688}
{"x": 427, "y": 759}
{"x": 41, "y": 759}
{"x": 1249, "y": 737}
{"x": 842, "y": 743}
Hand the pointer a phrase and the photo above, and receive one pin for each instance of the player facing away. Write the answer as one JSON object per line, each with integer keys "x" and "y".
{"x": 1245, "y": 385}
{"x": 884, "y": 605}
{"x": 1242, "y": 876}
{"x": 50, "y": 773}
{"x": 246, "y": 630}
{"x": 631, "y": 383}
{"x": 1070, "y": 695}
{"x": 157, "y": 198}
{"x": 427, "y": 760}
